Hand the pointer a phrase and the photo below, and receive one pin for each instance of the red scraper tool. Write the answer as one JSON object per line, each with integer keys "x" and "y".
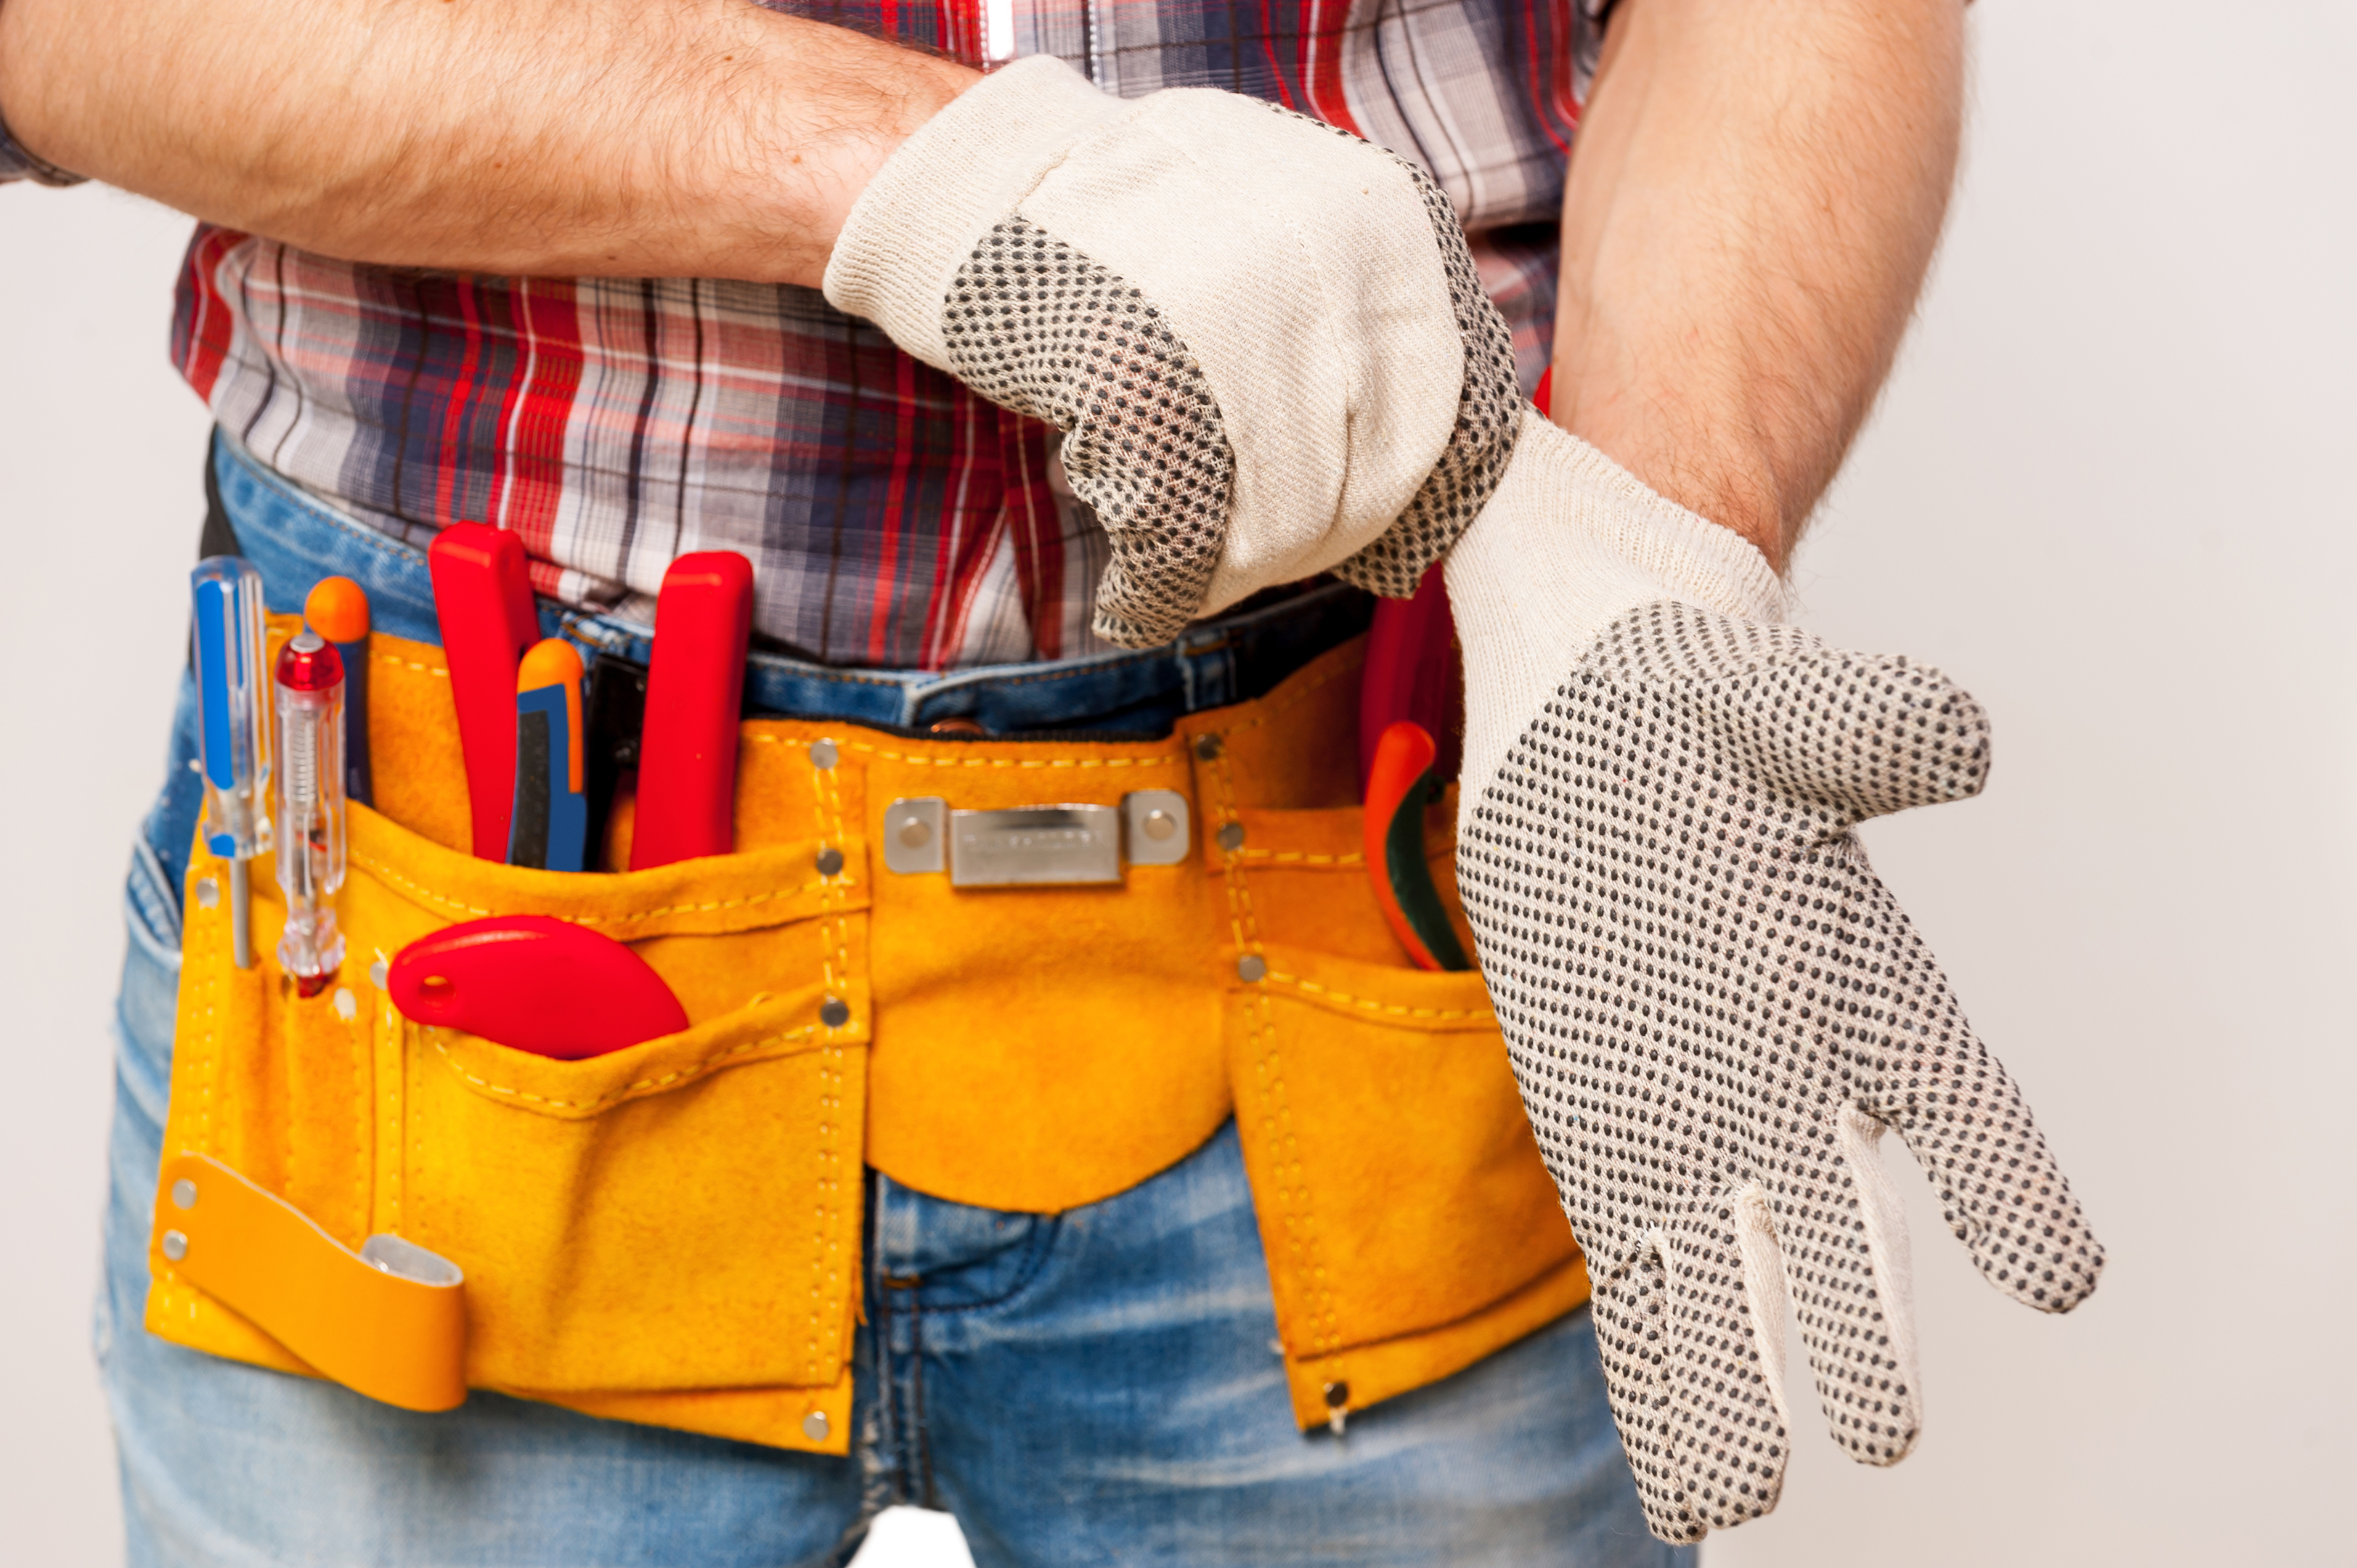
{"x": 533, "y": 983}
{"x": 696, "y": 694}
{"x": 483, "y": 597}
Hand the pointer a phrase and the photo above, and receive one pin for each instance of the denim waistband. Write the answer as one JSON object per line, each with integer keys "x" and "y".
{"x": 294, "y": 540}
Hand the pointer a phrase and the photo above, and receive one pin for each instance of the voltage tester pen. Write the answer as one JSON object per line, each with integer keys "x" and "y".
{"x": 310, "y": 688}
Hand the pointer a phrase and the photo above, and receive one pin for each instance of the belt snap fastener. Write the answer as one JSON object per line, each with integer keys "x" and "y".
{"x": 184, "y": 1194}
{"x": 1338, "y": 1406}
{"x": 1154, "y": 823}
{"x": 376, "y": 974}
{"x": 1207, "y": 748}
{"x": 914, "y": 827}
{"x": 829, "y": 861}
{"x": 176, "y": 1245}
{"x": 834, "y": 1012}
{"x": 207, "y": 892}
{"x": 1232, "y": 836}
{"x": 815, "y": 1426}
{"x": 1250, "y": 968}
{"x": 822, "y": 754}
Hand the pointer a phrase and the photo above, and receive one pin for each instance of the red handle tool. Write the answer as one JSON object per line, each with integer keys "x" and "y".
{"x": 696, "y": 693}
{"x": 533, "y": 983}
{"x": 483, "y": 597}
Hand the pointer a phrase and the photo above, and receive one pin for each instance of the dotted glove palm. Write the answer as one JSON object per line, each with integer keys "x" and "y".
{"x": 1263, "y": 338}
{"x": 1713, "y": 1005}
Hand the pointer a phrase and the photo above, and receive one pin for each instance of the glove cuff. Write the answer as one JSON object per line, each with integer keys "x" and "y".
{"x": 1563, "y": 481}
{"x": 923, "y": 212}
{"x": 1570, "y": 540}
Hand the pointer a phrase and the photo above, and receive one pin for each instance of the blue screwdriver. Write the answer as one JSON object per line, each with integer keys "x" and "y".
{"x": 233, "y": 727}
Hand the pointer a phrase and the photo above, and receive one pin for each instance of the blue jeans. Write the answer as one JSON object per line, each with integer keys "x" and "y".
{"x": 1100, "y": 1385}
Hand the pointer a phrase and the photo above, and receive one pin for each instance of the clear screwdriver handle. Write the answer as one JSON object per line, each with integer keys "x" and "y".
{"x": 233, "y": 711}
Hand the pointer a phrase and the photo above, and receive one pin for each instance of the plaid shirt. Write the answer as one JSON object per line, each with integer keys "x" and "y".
{"x": 893, "y": 517}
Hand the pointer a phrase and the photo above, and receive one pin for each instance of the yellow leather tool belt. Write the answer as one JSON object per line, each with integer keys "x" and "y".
{"x": 1021, "y": 974}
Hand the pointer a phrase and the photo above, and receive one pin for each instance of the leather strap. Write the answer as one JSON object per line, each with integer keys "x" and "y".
{"x": 389, "y": 1321}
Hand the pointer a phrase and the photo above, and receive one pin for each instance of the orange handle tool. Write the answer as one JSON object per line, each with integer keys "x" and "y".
{"x": 1399, "y": 786}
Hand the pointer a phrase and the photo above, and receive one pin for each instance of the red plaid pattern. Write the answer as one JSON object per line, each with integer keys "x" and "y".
{"x": 893, "y": 519}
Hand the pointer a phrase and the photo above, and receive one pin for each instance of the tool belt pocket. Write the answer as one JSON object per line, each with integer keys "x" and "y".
{"x": 1410, "y": 1225}
{"x": 667, "y": 1233}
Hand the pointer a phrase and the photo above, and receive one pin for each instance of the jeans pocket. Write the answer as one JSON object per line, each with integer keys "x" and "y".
{"x": 151, "y": 907}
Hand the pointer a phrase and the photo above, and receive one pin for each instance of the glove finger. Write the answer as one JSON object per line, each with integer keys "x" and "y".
{"x": 1845, "y": 1244}
{"x": 1630, "y": 1306}
{"x": 1965, "y": 1120}
{"x": 1724, "y": 1373}
{"x": 1843, "y": 735}
{"x": 1691, "y": 1334}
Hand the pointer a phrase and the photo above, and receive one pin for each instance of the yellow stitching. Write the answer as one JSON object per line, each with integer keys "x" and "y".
{"x": 400, "y": 663}
{"x": 1393, "y": 1009}
{"x": 1301, "y": 1222}
{"x": 984, "y": 761}
{"x": 1302, "y": 857}
{"x": 386, "y": 873}
{"x": 627, "y": 1089}
{"x": 826, "y": 785}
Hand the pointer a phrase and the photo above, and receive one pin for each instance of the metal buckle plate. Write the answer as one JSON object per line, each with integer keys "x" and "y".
{"x": 1035, "y": 846}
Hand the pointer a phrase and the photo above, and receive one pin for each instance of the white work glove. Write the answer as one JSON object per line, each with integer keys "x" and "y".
{"x": 1263, "y": 338}
{"x": 1714, "y": 1006}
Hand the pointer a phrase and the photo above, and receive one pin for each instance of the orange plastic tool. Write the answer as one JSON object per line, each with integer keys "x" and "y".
{"x": 1399, "y": 786}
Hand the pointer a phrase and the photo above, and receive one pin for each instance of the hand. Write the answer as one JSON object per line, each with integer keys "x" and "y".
{"x": 1263, "y": 338}
{"x": 1713, "y": 1005}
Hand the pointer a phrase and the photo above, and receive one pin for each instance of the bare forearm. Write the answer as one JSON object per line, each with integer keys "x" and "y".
{"x": 568, "y": 138}
{"x": 1758, "y": 189}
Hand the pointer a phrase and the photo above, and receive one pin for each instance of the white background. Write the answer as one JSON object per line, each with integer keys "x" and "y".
{"x": 2109, "y": 489}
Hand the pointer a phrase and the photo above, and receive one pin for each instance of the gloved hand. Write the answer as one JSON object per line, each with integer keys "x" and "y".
{"x": 1263, "y": 338}
{"x": 1714, "y": 1007}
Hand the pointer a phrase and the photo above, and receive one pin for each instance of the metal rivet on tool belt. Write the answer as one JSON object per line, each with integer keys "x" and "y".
{"x": 377, "y": 972}
{"x": 184, "y": 1194}
{"x": 176, "y": 1246}
{"x": 1207, "y": 748}
{"x": 346, "y": 1004}
{"x": 834, "y": 1012}
{"x": 1231, "y": 837}
{"x": 207, "y": 892}
{"x": 915, "y": 833}
{"x": 822, "y": 754}
{"x": 829, "y": 861}
{"x": 1338, "y": 1406}
{"x": 1251, "y": 967}
{"x": 1160, "y": 825}
{"x": 815, "y": 1426}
